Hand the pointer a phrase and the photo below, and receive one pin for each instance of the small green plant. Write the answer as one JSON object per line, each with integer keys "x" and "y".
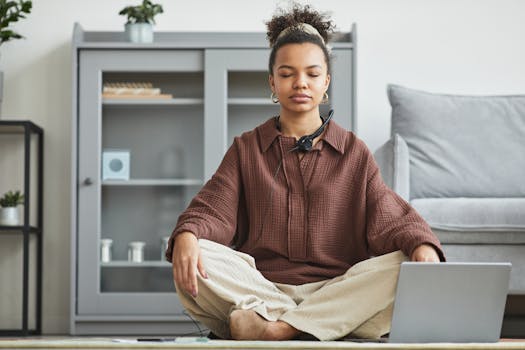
{"x": 144, "y": 13}
{"x": 12, "y": 11}
{"x": 11, "y": 199}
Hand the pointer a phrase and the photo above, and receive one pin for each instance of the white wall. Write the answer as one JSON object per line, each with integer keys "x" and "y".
{"x": 455, "y": 46}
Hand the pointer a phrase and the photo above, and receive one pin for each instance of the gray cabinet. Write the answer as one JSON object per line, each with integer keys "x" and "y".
{"x": 219, "y": 88}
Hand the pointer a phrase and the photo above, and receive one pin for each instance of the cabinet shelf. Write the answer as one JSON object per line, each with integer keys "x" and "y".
{"x": 153, "y": 102}
{"x": 153, "y": 182}
{"x": 147, "y": 263}
{"x": 252, "y": 101}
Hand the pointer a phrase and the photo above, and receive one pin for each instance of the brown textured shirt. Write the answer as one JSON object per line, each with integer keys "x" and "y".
{"x": 313, "y": 220}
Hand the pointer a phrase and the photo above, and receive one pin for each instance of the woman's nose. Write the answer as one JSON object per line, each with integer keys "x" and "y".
{"x": 300, "y": 82}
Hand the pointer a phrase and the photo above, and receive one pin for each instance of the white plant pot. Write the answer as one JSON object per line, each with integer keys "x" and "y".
{"x": 9, "y": 216}
{"x": 139, "y": 32}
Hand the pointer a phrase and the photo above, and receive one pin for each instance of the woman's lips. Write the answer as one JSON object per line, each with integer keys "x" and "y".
{"x": 300, "y": 98}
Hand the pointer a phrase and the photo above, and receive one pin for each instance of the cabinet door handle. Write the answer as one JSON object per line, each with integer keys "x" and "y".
{"x": 88, "y": 181}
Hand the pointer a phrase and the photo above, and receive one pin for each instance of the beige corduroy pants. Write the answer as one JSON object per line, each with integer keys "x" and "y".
{"x": 358, "y": 302}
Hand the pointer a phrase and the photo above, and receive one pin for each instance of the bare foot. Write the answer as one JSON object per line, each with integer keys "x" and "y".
{"x": 248, "y": 325}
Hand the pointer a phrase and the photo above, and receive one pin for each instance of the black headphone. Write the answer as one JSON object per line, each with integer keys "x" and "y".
{"x": 304, "y": 144}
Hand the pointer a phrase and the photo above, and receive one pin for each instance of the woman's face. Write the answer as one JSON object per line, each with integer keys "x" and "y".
{"x": 300, "y": 77}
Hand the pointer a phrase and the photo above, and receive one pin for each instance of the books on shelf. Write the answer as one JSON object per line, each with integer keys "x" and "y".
{"x": 132, "y": 90}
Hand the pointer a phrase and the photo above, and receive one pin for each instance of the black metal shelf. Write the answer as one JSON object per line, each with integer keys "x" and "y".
{"x": 27, "y": 128}
{"x": 18, "y": 332}
{"x": 20, "y": 229}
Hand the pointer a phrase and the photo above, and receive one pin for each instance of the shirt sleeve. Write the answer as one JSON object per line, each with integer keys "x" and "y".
{"x": 212, "y": 213}
{"x": 392, "y": 223}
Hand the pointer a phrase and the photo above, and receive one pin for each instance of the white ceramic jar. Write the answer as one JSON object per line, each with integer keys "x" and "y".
{"x": 136, "y": 251}
{"x": 105, "y": 250}
{"x": 164, "y": 247}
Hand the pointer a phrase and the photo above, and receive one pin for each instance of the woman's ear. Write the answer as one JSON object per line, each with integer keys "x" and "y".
{"x": 271, "y": 82}
{"x": 327, "y": 81}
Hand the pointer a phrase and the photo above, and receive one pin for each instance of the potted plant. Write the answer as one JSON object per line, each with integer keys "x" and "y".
{"x": 11, "y": 11}
{"x": 139, "y": 26}
{"x": 8, "y": 208}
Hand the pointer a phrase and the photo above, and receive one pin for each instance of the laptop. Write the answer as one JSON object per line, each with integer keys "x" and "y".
{"x": 449, "y": 302}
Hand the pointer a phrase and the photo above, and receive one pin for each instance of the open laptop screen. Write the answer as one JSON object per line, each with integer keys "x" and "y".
{"x": 449, "y": 302}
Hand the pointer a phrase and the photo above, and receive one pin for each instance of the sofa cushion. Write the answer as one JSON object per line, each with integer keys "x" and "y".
{"x": 473, "y": 214}
{"x": 461, "y": 146}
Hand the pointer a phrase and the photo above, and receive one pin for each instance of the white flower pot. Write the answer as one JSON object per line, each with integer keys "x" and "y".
{"x": 139, "y": 32}
{"x": 9, "y": 216}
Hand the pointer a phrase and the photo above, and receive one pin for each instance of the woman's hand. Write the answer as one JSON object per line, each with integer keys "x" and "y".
{"x": 425, "y": 253}
{"x": 186, "y": 261}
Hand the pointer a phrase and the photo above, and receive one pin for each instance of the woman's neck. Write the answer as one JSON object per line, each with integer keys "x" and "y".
{"x": 298, "y": 125}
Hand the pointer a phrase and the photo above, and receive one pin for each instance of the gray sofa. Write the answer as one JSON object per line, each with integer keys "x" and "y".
{"x": 460, "y": 162}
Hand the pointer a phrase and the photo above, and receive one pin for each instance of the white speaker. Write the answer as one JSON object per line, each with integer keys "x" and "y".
{"x": 115, "y": 165}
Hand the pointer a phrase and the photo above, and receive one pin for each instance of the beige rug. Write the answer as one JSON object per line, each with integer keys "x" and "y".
{"x": 199, "y": 343}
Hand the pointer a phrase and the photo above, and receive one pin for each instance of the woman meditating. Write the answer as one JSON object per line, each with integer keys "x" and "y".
{"x": 290, "y": 238}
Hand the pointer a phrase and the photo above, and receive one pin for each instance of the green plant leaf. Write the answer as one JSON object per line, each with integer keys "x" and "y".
{"x": 143, "y": 13}
{"x": 10, "y": 12}
{"x": 11, "y": 199}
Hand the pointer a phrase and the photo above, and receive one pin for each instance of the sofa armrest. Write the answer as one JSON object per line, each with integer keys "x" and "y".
{"x": 393, "y": 161}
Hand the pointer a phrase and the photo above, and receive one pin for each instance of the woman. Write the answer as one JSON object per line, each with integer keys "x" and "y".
{"x": 319, "y": 237}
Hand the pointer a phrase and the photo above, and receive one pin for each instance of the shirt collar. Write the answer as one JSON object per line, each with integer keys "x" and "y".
{"x": 334, "y": 135}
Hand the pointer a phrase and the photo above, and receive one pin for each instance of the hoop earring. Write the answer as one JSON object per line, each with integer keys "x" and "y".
{"x": 274, "y": 98}
{"x": 325, "y": 98}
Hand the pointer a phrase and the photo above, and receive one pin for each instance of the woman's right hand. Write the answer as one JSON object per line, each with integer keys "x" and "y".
{"x": 186, "y": 262}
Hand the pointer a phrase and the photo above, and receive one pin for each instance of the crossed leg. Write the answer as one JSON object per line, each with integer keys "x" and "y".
{"x": 237, "y": 302}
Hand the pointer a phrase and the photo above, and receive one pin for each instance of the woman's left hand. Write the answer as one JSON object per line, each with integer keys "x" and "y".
{"x": 425, "y": 253}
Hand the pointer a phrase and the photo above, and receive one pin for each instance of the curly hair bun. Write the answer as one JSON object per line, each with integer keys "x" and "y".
{"x": 298, "y": 14}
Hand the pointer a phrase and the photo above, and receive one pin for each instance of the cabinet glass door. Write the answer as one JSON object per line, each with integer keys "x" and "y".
{"x": 141, "y": 160}
{"x": 237, "y": 83}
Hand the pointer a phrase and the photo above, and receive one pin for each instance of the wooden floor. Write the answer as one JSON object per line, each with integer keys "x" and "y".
{"x": 117, "y": 342}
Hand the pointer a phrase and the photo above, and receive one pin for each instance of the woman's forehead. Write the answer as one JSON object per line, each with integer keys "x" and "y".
{"x": 300, "y": 55}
